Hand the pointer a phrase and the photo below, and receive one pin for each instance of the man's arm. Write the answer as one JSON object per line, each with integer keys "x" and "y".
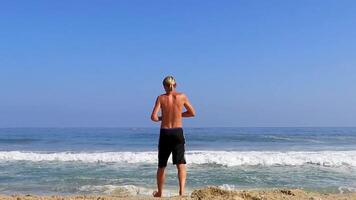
{"x": 154, "y": 115}
{"x": 190, "y": 110}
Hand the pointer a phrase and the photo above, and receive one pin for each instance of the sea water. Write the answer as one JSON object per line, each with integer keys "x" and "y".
{"x": 124, "y": 160}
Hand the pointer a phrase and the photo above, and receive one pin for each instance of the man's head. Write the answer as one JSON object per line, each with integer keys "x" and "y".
{"x": 169, "y": 83}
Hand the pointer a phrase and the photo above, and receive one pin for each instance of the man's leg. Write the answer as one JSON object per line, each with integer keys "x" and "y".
{"x": 182, "y": 175}
{"x": 160, "y": 181}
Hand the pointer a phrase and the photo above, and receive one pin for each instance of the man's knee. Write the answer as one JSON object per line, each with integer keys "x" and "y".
{"x": 161, "y": 168}
{"x": 181, "y": 166}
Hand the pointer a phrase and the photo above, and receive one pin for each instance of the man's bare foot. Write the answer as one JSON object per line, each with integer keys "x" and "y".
{"x": 181, "y": 193}
{"x": 157, "y": 194}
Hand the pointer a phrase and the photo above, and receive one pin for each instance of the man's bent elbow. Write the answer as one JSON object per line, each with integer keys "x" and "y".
{"x": 154, "y": 118}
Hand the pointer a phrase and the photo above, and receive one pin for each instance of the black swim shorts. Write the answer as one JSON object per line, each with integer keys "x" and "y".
{"x": 171, "y": 140}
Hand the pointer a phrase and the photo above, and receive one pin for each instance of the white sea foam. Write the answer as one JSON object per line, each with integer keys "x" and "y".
{"x": 346, "y": 189}
{"x": 228, "y": 187}
{"x": 126, "y": 190}
{"x": 226, "y": 158}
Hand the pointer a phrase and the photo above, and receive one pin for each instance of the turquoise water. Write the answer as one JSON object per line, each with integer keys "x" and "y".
{"x": 124, "y": 160}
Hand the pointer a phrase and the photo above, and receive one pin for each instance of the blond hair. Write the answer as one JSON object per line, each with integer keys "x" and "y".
{"x": 169, "y": 82}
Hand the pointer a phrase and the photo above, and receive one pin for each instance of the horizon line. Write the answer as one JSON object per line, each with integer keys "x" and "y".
{"x": 183, "y": 127}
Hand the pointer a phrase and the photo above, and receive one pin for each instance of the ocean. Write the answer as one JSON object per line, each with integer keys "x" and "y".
{"x": 124, "y": 160}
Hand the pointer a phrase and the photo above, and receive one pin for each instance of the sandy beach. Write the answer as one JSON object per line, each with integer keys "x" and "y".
{"x": 208, "y": 193}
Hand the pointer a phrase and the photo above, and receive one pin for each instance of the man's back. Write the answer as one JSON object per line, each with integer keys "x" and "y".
{"x": 171, "y": 107}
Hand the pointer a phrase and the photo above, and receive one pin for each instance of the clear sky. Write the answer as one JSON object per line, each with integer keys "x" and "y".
{"x": 242, "y": 63}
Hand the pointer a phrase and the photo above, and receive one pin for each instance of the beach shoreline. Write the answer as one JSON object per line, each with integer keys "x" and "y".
{"x": 207, "y": 193}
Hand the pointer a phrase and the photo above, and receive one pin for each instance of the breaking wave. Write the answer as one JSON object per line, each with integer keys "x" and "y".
{"x": 226, "y": 158}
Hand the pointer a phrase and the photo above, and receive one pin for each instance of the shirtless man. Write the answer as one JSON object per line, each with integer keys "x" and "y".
{"x": 171, "y": 139}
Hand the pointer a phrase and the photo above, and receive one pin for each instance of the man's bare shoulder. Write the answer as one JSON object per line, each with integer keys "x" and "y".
{"x": 182, "y": 95}
{"x": 179, "y": 95}
{"x": 161, "y": 96}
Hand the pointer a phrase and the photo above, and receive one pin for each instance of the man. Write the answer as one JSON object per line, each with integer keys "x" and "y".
{"x": 171, "y": 139}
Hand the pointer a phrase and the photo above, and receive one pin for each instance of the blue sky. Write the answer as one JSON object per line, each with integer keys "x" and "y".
{"x": 242, "y": 63}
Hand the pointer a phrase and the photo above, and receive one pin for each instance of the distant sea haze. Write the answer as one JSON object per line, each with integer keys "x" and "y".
{"x": 102, "y": 160}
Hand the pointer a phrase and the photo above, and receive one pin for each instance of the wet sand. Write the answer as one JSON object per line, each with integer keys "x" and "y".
{"x": 209, "y": 193}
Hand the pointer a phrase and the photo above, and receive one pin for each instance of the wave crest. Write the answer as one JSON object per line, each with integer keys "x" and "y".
{"x": 226, "y": 158}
